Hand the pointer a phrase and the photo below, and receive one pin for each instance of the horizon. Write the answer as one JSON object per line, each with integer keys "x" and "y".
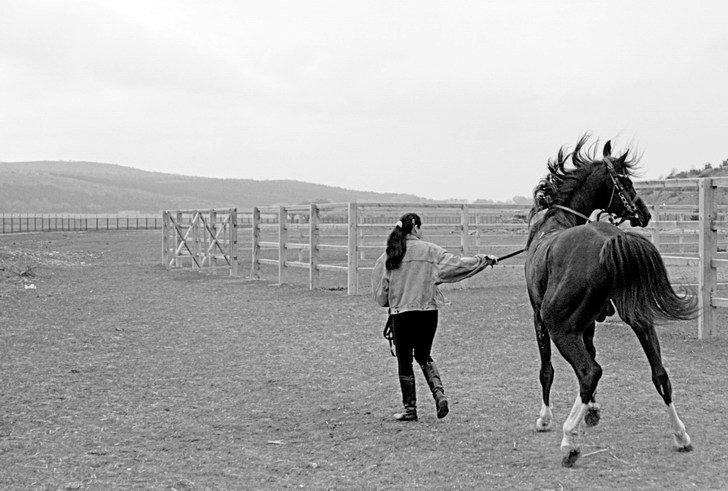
{"x": 512, "y": 200}
{"x": 233, "y": 178}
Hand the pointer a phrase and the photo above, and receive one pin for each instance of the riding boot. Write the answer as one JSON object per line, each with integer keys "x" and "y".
{"x": 429, "y": 369}
{"x": 409, "y": 399}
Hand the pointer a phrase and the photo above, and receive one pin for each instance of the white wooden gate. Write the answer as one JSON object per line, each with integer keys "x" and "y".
{"x": 205, "y": 240}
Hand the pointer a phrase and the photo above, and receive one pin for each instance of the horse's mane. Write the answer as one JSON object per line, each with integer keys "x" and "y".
{"x": 561, "y": 182}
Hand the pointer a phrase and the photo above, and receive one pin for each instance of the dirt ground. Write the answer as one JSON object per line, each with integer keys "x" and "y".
{"x": 116, "y": 373}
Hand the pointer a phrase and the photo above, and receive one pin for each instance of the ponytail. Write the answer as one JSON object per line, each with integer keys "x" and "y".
{"x": 397, "y": 240}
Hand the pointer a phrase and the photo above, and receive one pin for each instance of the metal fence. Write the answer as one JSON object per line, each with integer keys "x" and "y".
{"x": 19, "y": 222}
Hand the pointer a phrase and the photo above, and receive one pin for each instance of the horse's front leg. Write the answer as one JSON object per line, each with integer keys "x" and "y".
{"x": 546, "y": 374}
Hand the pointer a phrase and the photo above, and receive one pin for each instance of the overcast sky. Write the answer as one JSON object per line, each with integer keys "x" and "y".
{"x": 456, "y": 99}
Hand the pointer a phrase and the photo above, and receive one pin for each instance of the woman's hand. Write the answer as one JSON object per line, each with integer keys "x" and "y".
{"x": 489, "y": 260}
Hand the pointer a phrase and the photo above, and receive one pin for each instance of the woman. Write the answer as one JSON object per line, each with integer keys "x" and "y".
{"x": 405, "y": 279}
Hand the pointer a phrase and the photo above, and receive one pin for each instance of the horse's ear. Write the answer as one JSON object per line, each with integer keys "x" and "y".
{"x": 608, "y": 149}
{"x": 622, "y": 159}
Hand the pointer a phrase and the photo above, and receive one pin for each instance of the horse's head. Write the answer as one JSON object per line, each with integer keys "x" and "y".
{"x": 580, "y": 182}
{"x": 623, "y": 200}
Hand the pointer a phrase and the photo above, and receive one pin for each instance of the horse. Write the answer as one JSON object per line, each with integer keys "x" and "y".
{"x": 578, "y": 271}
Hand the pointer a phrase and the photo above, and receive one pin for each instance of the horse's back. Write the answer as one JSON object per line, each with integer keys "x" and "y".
{"x": 585, "y": 239}
{"x": 575, "y": 242}
{"x": 569, "y": 259}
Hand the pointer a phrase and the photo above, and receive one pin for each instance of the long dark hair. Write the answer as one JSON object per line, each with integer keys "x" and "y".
{"x": 397, "y": 240}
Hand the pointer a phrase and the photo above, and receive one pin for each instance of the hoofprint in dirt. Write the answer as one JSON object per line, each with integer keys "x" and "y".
{"x": 117, "y": 373}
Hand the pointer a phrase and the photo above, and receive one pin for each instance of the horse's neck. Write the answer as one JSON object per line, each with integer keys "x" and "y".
{"x": 581, "y": 208}
{"x": 553, "y": 220}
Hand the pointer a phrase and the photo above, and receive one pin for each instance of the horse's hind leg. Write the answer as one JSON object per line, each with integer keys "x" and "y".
{"x": 572, "y": 348}
{"x": 651, "y": 346}
{"x": 546, "y": 374}
{"x": 593, "y": 412}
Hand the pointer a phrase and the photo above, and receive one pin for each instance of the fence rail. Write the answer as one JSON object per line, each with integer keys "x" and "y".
{"x": 25, "y": 222}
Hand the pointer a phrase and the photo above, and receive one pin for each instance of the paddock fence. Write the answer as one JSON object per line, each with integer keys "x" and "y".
{"x": 348, "y": 237}
{"x": 11, "y": 223}
{"x": 344, "y": 239}
{"x": 695, "y": 236}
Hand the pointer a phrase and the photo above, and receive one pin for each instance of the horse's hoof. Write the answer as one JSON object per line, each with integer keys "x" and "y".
{"x": 570, "y": 459}
{"x": 592, "y": 417}
{"x": 542, "y": 427}
{"x": 682, "y": 443}
{"x": 686, "y": 448}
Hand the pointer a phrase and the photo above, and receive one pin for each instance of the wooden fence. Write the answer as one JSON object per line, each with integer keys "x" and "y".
{"x": 203, "y": 240}
{"x": 707, "y": 220}
{"x": 347, "y": 237}
{"x": 11, "y": 223}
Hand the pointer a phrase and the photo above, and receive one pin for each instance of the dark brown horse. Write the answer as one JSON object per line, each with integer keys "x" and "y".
{"x": 578, "y": 272}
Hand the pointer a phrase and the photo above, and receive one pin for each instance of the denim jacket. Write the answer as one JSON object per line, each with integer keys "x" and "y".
{"x": 413, "y": 286}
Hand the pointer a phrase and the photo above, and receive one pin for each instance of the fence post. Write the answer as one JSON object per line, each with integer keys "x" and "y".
{"x": 196, "y": 262}
{"x": 464, "y": 232}
{"x": 656, "y": 212}
{"x": 165, "y": 239}
{"x": 353, "y": 257}
{"x": 708, "y": 275}
{"x": 282, "y": 240}
{"x": 177, "y": 239}
{"x": 209, "y": 238}
{"x": 313, "y": 251}
{"x": 362, "y": 242}
{"x": 233, "y": 218}
{"x": 255, "y": 248}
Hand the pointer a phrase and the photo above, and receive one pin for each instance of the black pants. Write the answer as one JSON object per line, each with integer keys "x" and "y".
{"x": 413, "y": 333}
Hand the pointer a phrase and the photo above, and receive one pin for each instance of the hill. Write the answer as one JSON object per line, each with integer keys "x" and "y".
{"x": 92, "y": 187}
{"x": 678, "y": 196}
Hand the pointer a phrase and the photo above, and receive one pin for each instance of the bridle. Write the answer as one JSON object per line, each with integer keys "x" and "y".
{"x": 618, "y": 188}
{"x": 629, "y": 204}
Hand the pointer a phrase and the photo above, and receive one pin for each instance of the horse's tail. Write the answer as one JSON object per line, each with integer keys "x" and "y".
{"x": 641, "y": 290}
